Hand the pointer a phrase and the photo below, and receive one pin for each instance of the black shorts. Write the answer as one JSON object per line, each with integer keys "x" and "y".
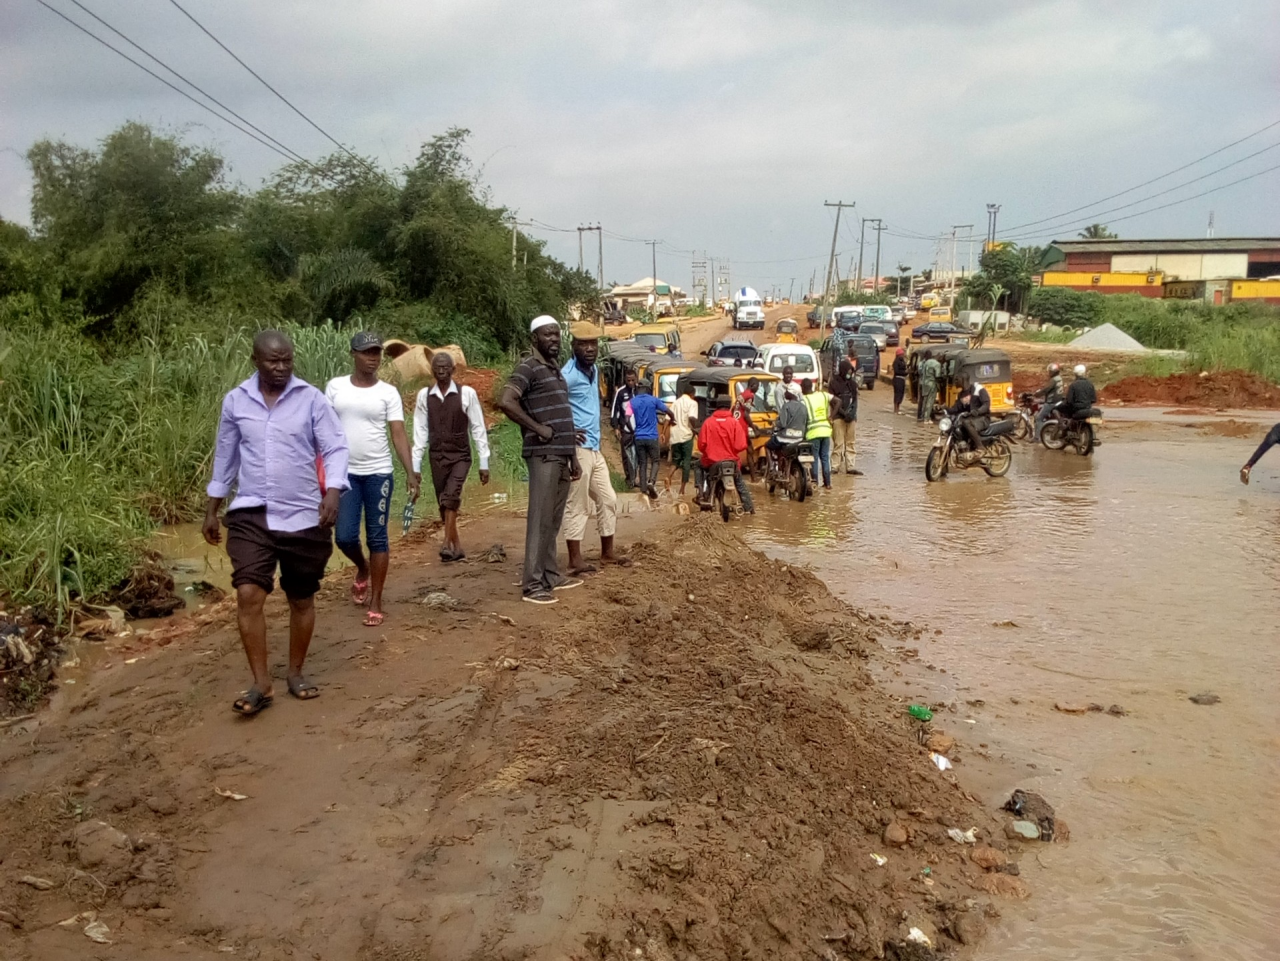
{"x": 255, "y": 550}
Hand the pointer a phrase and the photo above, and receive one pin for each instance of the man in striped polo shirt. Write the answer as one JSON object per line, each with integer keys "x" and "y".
{"x": 537, "y": 398}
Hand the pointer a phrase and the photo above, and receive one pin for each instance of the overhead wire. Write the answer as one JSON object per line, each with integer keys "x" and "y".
{"x": 1172, "y": 203}
{"x": 1146, "y": 183}
{"x": 293, "y": 153}
{"x": 332, "y": 139}
{"x": 1159, "y": 193}
{"x": 167, "y": 83}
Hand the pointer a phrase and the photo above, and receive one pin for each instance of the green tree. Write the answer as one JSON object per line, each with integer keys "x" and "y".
{"x": 143, "y": 208}
{"x": 1097, "y": 232}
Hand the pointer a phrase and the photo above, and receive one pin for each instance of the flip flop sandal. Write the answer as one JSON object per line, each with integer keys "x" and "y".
{"x": 302, "y": 689}
{"x": 584, "y": 569}
{"x": 252, "y": 702}
{"x": 450, "y": 556}
{"x": 360, "y": 591}
{"x": 374, "y": 619}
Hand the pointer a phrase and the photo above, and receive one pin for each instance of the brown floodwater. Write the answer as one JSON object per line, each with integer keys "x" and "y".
{"x": 1138, "y": 577}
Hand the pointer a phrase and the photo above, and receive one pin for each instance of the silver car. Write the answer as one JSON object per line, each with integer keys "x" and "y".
{"x": 876, "y": 330}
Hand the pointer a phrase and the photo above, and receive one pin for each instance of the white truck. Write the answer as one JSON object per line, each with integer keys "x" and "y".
{"x": 748, "y": 309}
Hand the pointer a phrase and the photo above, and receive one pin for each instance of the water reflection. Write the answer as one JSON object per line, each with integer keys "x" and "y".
{"x": 1136, "y": 577}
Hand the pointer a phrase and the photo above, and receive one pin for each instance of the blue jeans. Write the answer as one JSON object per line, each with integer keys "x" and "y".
{"x": 821, "y": 458}
{"x": 370, "y": 494}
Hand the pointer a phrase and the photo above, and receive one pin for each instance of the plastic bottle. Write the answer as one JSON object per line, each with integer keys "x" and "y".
{"x": 920, "y": 712}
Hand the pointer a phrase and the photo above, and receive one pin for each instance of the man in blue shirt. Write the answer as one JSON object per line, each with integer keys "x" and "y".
{"x": 595, "y": 485}
{"x": 646, "y": 408}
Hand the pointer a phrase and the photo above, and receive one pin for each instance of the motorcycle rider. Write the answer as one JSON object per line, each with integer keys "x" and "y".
{"x": 793, "y": 421}
{"x": 723, "y": 437}
{"x": 975, "y": 403}
{"x": 1052, "y": 394}
{"x": 1081, "y": 395}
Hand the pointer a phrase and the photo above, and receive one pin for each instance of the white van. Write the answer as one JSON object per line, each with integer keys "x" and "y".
{"x": 801, "y": 358}
{"x": 974, "y": 319}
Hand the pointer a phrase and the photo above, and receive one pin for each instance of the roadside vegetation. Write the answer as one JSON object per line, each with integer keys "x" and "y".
{"x": 1237, "y": 336}
{"x": 127, "y": 311}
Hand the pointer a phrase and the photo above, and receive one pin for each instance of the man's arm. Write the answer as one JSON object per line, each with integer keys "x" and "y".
{"x": 421, "y": 431}
{"x": 226, "y": 467}
{"x": 331, "y": 443}
{"x": 475, "y": 419}
{"x": 509, "y": 404}
{"x": 400, "y": 441}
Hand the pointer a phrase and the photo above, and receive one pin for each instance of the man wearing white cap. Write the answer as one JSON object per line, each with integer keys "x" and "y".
{"x": 537, "y": 398}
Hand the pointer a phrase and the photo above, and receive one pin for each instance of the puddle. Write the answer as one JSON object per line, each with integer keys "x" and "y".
{"x": 1136, "y": 577}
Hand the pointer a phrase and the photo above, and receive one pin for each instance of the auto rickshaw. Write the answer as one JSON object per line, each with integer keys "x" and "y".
{"x": 787, "y": 331}
{"x": 661, "y": 369}
{"x": 710, "y": 383}
{"x": 662, "y": 338}
{"x": 961, "y": 366}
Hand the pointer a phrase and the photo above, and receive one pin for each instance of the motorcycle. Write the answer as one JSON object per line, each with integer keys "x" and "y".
{"x": 721, "y": 493}
{"x": 951, "y": 449}
{"x": 1025, "y": 416}
{"x": 789, "y": 469}
{"x": 1079, "y": 432}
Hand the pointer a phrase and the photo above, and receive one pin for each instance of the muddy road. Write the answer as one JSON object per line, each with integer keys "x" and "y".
{"x": 1138, "y": 577}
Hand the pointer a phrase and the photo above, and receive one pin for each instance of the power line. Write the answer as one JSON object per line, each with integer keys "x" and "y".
{"x": 341, "y": 146}
{"x": 1145, "y": 183}
{"x": 193, "y": 86}
{"x": 1172, "y": 203}
{"x": 171, "y": 86}
{"x": 1161, "y": 193}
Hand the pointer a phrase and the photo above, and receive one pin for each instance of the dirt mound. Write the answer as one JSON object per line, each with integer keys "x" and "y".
{"x": 684, "y": 759}
{"x": 1218, "y": 389}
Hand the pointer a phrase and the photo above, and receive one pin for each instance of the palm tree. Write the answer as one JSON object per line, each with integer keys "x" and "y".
{"x": 1097, "y": 232}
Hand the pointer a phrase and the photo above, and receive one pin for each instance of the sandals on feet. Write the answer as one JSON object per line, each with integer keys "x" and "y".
{"x": 360, "y": 591}
{"x": 252, "y": 702}
{"x": 302, "y": 689}
{"x": 374, "y": 619}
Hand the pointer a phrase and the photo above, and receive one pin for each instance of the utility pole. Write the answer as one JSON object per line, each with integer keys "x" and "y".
{"x": 862, "y": 233}
{"x": 600, "y": 253}
{"x": 513, "y": 243}
{"x": 791, "y": 290}
{"x": 831, "y": 262}
{"x": 992, "y": 210}
{"x": 879, "y": 227}
{"x": 954, "y": 228}
{"x": 580, "y": 230}
{"x": 653, "y": 248}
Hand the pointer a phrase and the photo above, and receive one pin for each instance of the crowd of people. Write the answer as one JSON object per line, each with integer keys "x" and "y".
{"x": 304, "y": 463}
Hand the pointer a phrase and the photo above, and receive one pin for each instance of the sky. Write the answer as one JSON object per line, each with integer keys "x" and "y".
{"x": 719, "y": 127}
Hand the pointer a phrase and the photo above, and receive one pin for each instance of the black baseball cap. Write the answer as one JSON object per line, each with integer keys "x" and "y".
{"x": 365, "y": 340}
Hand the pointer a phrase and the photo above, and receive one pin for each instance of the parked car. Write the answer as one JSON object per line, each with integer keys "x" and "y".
{"x": 853, "y": 311}
{"x": 724, "y": 353}
{"x": 940, "y": 315}
{"x": 897, "y": 312}
{"x": 908, "y": 312}
{"x": 814, "y": 317}
{"x": 877, "y": 331}
{"x": 935, "y": 331}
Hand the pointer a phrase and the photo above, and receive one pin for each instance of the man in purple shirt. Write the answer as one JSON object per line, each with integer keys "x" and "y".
{"x": 274, "y": 428}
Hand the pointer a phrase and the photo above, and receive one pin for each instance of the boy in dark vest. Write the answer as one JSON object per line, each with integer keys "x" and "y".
{"x": 442, "y": 417}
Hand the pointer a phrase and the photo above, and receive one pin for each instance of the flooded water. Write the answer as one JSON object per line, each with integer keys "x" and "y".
{"x": 1137, "y": 577}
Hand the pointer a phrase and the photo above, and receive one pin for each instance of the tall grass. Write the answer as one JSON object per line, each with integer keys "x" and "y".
{"x": 95, "y": 451}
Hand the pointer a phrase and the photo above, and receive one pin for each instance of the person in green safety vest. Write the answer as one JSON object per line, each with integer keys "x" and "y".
{"x": 820, "y": 406}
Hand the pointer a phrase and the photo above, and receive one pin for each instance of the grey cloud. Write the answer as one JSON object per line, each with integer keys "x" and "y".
{"x": 718, "y": 125}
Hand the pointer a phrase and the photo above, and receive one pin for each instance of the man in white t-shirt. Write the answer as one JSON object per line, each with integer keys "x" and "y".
{"x": 367, "y": 406}
{"x": 684, "y": 417}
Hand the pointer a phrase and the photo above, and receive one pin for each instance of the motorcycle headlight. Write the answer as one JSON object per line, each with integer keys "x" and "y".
{"x": 944, "y": 425}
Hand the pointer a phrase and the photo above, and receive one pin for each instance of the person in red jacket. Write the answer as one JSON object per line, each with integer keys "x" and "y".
{"x": 724, "y": 436}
